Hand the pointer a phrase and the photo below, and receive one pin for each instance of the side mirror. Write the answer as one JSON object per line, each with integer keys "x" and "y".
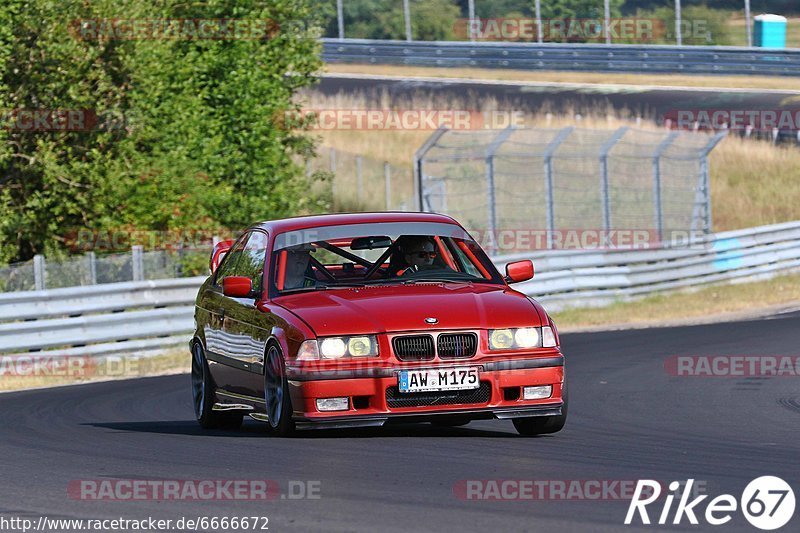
{"x": 218, "y": 253}
{"x": 237, "y": 286}
{"x": 519, "y": 271}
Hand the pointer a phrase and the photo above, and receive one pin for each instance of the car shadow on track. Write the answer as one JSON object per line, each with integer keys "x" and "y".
{"x": 257, "y": 429}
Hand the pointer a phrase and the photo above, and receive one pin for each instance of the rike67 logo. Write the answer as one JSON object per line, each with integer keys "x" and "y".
{"x": 767, "y": 503}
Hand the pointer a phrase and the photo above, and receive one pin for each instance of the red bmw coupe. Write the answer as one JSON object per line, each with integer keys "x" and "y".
{"x": 348, "y": 320}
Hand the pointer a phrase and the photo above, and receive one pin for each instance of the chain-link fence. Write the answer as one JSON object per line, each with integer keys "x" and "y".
{"x": 558, "y": 180}
{"x": 364, "y": 184}
{"x": 91, "y": 269}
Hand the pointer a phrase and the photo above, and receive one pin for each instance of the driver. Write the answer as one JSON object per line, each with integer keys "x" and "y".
{"x": 419, "y": 253}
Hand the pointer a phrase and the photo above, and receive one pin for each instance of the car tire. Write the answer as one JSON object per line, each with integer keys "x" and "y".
{"x": 203, "y": 396}
{"x": 542, "y": 425}
{"x": 276, "y": 394}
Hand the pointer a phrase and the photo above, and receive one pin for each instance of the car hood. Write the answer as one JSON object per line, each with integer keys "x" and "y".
{"x": 391, "y": 308}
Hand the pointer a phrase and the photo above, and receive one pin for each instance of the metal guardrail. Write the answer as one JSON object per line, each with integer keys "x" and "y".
{"x": 140, "y": 316}
{"x": 99, "y": 319}
{"x": 591, "y": 278}
{"x": 575, "y": 57}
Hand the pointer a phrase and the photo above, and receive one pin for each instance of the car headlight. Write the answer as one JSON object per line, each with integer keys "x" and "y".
{"x": 338, "y": 348}
{"x": 521, "y": 338}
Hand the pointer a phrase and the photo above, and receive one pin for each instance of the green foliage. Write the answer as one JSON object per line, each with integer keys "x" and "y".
{"x": 701, "y": 25}
{"x": 431, "y": 20}
{"x": 201, "y": 144}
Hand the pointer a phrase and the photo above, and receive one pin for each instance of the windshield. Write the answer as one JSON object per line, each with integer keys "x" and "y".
{"x": 371, "y": 254}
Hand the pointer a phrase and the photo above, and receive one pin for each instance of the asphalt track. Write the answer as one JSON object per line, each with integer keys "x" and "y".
{"x": 650, "y": 102}
{"x": 629, "y": 419}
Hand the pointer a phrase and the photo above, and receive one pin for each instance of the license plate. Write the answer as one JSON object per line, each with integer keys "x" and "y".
{"x": 426, "y": 380}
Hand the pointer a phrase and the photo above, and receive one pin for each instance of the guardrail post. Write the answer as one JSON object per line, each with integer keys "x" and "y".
{"x": 659, "y": 214}
{"x": 91, "y": 267}
{"x": 548, "y": 181}
{"x": 387, "y": 177}
{"x": 604, "y": 151}
{"x": 137, "y": 262}
{"x": 419, "y": 161}
{"x": 39, "y": 272}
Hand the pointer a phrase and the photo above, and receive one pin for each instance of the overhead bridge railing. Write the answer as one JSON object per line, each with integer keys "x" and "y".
{"x": 569, "y": 57}
{"x": 135, "y": 317}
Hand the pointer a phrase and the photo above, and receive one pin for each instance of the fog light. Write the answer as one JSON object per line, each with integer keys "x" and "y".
{"x": 333, "y": 404}
{"x": 536, "y": 393}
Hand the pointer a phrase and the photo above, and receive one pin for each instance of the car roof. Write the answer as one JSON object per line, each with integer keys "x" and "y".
{"x": 337, "y": 219}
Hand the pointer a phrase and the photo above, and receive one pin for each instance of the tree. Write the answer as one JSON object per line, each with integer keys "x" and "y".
{"x": 200, "y": 142}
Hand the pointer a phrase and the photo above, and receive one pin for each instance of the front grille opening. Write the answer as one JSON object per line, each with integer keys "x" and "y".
{"x": 457, "y": 345}
{"x": 481, "y": 395}
{"x": 360, "y": 402}
{"x": 413, "y": 347}
{"x": 510, "y": 393}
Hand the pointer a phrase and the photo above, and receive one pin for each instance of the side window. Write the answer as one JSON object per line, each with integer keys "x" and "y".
{"x": 251, "y": 263}
{"x": 465, "y": 262}
{"x": 228, "y": 266}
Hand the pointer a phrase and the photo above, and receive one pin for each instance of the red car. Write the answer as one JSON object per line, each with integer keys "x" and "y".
{"x": 364, "y": 319}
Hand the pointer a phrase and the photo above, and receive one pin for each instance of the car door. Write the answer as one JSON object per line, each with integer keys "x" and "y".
{"x": 245, "y": 328}
{"x": 214, "y": 303}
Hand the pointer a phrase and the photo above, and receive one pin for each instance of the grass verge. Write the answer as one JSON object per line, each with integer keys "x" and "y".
{"x": 603, "y": 78}
{"x": 712, "y": 303}
{"x": 86, "y": 370}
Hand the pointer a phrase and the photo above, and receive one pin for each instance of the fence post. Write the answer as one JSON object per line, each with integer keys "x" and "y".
{"x": 387, "y": 176}
{"x": 659, "y": 213}
{"x": 39, "y": 272}
{"x": 332, "y": 166}
{"x": 91, "y": 265}
{"x": 359, "y": 178}
{"x": 407, "y": 18}
{"x": 705, "y": 181}
{"x": 471, "y": 23}
{"x": 548, "y": 181}
{"x": 137, "y": 262}
{"x": 340, "y": 18}
{"x": 604, "y": 150}
{"x": 419, "y": 160}
{"x": 490, "y": 188}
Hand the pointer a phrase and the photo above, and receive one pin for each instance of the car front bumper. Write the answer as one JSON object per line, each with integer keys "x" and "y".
{"x": 371, "y": 403}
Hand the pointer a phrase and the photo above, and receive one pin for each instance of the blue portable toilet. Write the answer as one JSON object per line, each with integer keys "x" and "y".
{"x": 770, "y": 31}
